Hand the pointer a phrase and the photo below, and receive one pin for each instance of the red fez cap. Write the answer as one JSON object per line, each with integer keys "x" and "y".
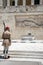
{"x": 7, "y": 28}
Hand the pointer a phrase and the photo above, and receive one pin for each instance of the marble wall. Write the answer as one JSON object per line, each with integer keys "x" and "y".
{"x": 17, "y": 32}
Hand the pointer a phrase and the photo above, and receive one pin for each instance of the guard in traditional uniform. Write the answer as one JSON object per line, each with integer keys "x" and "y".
{"x": 6, "y": 36}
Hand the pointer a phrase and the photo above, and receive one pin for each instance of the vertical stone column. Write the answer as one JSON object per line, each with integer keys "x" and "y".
{"x": 16, "y": 1}
{"x": 24, "y": 2}
{"x": 14, "y": 20}
{"x": 1, "y": 2}
{"x": 32, "y": 2}
{"x": 41, "y": 2}
{"x": 8, "y": 2}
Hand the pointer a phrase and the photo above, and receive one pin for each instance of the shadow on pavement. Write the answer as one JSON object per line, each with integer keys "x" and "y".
{"x": 1, "y": 57}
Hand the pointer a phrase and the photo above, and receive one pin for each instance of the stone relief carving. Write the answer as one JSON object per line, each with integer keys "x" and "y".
{"x": 28, "y": 23}
{"x": 32, "y": 22}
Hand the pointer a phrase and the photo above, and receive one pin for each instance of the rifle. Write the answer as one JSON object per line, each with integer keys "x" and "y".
{"x": 4, "y": 25}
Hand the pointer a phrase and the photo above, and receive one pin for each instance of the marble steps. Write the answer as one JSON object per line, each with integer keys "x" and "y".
{"x": 20, "y": 54}
{"x": 37, "y": 55}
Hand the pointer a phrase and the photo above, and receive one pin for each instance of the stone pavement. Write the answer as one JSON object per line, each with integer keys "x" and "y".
{"x": 10, "y": 62}
{"x": 21, "y": 53}
{"x": 20, "y": 45}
